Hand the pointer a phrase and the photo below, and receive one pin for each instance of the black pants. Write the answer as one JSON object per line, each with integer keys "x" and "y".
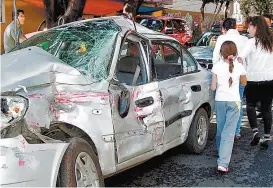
{"x": 263, "y": 92}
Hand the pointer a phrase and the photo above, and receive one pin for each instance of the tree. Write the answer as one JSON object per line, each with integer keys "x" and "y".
{"x": 222, "y": 2}
{"x": 202, "y": 9}
{"x": 63, "y": 11}
{"x": 256, "y": 6}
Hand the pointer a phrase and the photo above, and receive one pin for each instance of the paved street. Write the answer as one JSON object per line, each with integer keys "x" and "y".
{"x": 249, "y": 166}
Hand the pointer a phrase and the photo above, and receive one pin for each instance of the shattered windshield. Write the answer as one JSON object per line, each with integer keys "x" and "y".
{"x": 86, "y": 46}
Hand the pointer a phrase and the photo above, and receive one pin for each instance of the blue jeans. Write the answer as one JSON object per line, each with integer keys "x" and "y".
{"x": 238, "y": 129}
{"x": 227, "y": 115}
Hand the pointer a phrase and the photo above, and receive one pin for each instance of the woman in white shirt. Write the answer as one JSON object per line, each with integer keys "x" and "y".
{"x": 259, "y": 51}
{"x": 227, "y": 74}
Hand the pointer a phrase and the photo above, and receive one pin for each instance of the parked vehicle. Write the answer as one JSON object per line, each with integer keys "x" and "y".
{"x": 173, "y": 27}
{"x": 203, "y": 55}
{"x": 202, "y": 51}
{"x": 89, "y": 99}
{"x": 208, "y": 39}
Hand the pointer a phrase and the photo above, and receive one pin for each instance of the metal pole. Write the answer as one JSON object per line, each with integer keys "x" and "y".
{"x": 15, "y": 22}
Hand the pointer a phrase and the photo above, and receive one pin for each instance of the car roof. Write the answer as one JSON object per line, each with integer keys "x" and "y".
{"x": 161, "y": 17}
{"x": 126, "y": 25}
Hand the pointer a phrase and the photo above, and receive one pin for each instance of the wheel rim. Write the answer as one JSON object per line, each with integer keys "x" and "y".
{"x": 85, "y": 171}
{"x": 201, "y": 131}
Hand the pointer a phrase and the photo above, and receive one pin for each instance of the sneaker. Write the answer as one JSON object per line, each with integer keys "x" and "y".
{"x": 222, "y": 170}
{"x": 256, "y": 139}
{"x": 265, "y": 143}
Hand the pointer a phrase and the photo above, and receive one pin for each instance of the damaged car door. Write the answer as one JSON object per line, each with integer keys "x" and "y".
{"x": 168, "y": 70}
{"x": 136, "y": 107}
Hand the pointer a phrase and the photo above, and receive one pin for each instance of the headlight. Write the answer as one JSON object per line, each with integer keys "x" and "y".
{"x": 13, "y": 108}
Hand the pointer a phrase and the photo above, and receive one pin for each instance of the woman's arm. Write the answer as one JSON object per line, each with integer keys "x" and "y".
{"x": 243, "y": 80}
{"x": 250, "y": 45}
{"x": 213, "y": 82}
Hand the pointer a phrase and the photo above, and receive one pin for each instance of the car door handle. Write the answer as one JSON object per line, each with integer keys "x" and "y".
{"x": 144, "y": 102}
{"x": 196, "y": 88}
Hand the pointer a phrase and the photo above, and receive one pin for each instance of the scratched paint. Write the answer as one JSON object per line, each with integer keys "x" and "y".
{"x": 54, "y": 113}
{"x": 21, "y": 163}
{"x": 23, "y": 142}
{"x": 34, "y": 95}
{"x": 34, "y": 124}
{"x": 66, "y": 97}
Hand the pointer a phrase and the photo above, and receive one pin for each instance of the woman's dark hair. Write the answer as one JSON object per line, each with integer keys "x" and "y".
{"x": 229, "y": 51}
{"x": 229, "y": 23}
{"x": 263, "y": 35}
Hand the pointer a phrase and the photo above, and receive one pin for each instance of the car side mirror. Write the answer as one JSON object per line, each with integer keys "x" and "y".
{"x": 124, "y": 103}
{"x": 169, "y": 31}
{"x": 210, "y": 66}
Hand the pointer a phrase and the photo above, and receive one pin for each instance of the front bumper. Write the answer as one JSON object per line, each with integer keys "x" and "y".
{"x": 23, "y": 164}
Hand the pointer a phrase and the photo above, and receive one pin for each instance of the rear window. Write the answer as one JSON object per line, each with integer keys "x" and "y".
{"x": 151, "y": 23}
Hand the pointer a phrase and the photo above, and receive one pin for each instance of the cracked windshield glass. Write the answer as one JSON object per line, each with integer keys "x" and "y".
{"x": 86, "y": 46}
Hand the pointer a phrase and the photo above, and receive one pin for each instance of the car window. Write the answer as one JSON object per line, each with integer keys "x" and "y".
{"x": 131, "y": 68}
{"x": 179, "y": 26}
{"x": 151, "y": 23}
{"x": 189, "y": 65}
{"x": 167, "y": 61}
{"x": 203, "y": 40}
{"x": 208, "y": 39}
{"x": 213, "y": 40}
{"x": 169, "y": 27}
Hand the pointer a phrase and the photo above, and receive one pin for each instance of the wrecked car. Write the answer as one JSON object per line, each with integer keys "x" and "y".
{"x": 86, "y": 100}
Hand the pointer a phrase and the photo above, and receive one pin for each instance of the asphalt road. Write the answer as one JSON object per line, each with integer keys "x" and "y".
{"x": 249, "y": 166}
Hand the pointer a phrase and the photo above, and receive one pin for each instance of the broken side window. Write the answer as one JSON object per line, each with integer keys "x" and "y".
{"x": 131, "y": 68}
{"x": 167, "y": 60}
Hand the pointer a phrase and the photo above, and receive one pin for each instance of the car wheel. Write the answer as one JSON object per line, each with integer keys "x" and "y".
{"x": 198, "y": 133}
{"x": 80, "y": 166}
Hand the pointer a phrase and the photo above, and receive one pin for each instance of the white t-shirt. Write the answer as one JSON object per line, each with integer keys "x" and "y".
{"x": 223, "y": 91}
{"x": 260, "y": 62}
{"x": 232, "y": 35}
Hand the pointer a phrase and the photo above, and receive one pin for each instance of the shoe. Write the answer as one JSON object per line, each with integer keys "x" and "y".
{"x": 260, "y": 115}
{"x": 238, "y": 137}
{"x": 264, "y": 144}
{"x": 222, "y": 170}
{"x": 256, "y": 139}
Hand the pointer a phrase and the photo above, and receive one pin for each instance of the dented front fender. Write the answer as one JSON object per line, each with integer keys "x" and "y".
{"x": 24, "y": 164}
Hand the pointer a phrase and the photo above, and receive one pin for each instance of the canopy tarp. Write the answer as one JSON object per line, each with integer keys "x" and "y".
{"x": 146, "y": 9}
{"x": 101, "y": 7}
{"x": 165, "y": 2}
{"x": 94, "y": 7}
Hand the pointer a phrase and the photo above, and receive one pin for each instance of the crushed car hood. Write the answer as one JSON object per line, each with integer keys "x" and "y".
{"x": 34, "y": 66}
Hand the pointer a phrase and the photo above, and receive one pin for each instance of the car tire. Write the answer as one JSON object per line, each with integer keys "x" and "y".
{"x": 80, "y": 162}
{"x": 198, "y": 133}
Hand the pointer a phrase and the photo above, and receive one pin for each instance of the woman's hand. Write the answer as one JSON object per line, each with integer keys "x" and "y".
{"x": 240, "y": 60}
